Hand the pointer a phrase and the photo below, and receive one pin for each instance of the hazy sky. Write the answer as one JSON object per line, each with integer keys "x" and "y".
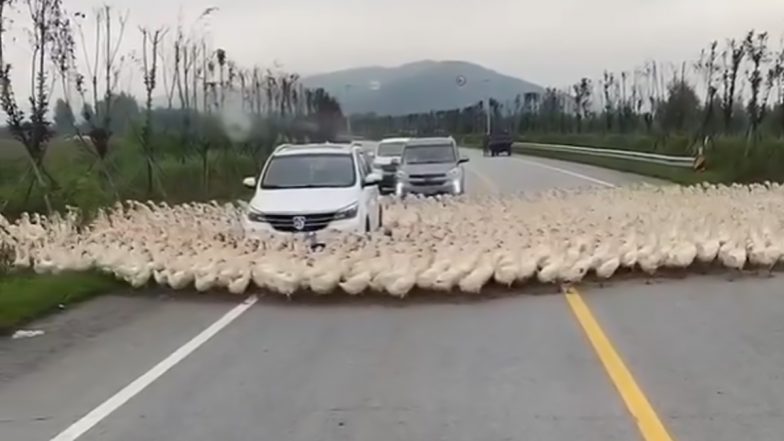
{"x": 549, "y": 42}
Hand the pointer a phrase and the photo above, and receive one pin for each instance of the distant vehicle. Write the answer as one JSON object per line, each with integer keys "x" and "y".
{"x": 499, "y": 143}
{"x": 430, "y": 166}
{"x": 386, "y": 160}
{"x": 313, "y": 187}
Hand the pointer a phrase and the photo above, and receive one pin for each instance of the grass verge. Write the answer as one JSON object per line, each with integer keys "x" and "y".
{"x": 679, "y": 175}
{"x": 673, "y": 174}
{"x": 27, "y": 296}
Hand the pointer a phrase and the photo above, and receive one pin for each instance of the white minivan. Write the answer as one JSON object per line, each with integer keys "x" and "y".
{"x": 314, "y": 187}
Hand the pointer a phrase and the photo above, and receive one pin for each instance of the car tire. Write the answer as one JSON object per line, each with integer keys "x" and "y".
{"x": 367, "y": 225}
{"x": 380, "y": 217}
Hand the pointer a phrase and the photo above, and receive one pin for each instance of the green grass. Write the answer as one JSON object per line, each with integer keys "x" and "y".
{"x": 674, "y": 174}
{"x": 674, "y": 145}
{"x": 729, "y": 159}
{"x": 81, "y": 185}
{"x": 27, "y": 296}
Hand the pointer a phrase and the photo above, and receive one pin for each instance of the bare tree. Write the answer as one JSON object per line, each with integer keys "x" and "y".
{"x": 151, "y": 40}
{"x": 104, "y": 62}
{"x": 709, "y": 68}
{"x": 608, "y": 82}
{"x": 757, "y": 50}
{"x": 184, "y": 78}
{"x": 582, "y": 100}
{"x": 220, "y": 56}
{"x": 732, "y": 57}
{"x": 168, "y": 73}
{"x": 34, "y": 131}
{"x": 776, "y": 76}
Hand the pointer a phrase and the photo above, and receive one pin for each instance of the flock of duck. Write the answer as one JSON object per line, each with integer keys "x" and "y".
{"x": 444, "y": 243}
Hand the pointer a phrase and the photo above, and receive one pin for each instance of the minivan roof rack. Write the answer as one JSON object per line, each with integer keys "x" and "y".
{"x": 281, "y": 147}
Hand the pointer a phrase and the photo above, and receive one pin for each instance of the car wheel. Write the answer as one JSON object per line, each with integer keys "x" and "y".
{"x": 380, "y": 217}
{"x": 367, "y": 225}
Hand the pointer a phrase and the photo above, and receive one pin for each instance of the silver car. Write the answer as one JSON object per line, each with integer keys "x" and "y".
{"x": 430, "y": 166}
{"x": 386, "y": 160}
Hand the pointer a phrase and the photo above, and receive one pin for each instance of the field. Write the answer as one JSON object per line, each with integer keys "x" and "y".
{"x": 80, "y": 184}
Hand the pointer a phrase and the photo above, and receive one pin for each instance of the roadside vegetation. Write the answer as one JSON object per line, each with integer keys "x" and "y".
{"x": 729, "y": 102}
{"x": 203, "y": 122}
{"x": 77, "y": 140}
{"x": 27, "y": 296}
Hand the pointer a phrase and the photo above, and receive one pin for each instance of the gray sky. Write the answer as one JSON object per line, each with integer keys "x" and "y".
{"x": 550, "y": 42}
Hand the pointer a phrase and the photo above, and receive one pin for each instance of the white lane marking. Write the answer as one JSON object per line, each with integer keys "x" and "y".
{"x": 567, "y": 172}
{"x": 95, "y": 416}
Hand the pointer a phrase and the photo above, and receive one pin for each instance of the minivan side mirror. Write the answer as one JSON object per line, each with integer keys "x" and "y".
{"x": 249, "y": 182}
{"x": 462, "y": 160}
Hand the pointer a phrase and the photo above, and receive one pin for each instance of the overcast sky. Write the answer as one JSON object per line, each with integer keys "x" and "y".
{"x": 549, "y": 42}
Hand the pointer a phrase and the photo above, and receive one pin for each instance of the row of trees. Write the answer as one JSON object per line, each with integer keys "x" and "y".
{"x": 211, "y": 102}
{"x": 736, "y": 88}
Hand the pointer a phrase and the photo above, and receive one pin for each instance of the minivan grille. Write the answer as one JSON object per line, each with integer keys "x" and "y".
{"x": 429, "y": 176}
{"x": 428, "y": 179}
{"x": 290, "y": 222}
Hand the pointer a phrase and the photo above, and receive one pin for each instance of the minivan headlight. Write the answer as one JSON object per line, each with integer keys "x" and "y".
{"x": 254, "y": 216}
{"x": 349, "y": 212}
{"x": 454, "y": 173}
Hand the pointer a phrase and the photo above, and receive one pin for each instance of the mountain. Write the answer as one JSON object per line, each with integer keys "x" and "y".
{"x": 418, "y": 87}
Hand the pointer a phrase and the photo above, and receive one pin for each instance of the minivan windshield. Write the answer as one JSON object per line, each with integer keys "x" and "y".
{"x": 390, "y": 148}
{"x": 429, "y": 154}
{"x": 309, "y": 171}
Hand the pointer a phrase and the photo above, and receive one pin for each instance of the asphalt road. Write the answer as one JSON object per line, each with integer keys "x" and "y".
{"x": 692, "y": 359}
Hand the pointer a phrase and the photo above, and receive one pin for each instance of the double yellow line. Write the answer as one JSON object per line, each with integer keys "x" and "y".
{"x": 638, "y": 405}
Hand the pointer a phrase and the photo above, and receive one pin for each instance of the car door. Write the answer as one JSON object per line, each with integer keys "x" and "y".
{"x": 370, "y": 193}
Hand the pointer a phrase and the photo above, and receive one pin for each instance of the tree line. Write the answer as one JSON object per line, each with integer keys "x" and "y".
{"x": 735, "y": 88}
{"x": 211, "y": 103}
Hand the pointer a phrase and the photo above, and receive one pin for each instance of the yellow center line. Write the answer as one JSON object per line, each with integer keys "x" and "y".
{"x": 647, "y": 421}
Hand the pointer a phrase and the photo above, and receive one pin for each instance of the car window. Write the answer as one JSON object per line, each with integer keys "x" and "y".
{"x": 309, "y": 171}
{"x": 429, "y": 154}
{"x": 390, "y": 148}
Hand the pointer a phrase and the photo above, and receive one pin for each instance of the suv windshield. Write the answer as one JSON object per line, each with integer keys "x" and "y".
{"x": 429, "y": 154}
{"x": 390, "y": 148}
{"x": 309, "y": 171}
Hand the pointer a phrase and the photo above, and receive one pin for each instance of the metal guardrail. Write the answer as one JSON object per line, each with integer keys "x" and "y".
{"x": 651, "y": 158}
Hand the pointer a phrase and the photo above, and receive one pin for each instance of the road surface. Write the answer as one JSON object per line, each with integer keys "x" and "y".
{"x": 692, "y": 359}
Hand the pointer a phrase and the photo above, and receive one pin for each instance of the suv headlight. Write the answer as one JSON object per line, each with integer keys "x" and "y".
{"x": 454, "y": 173}
{"x": 254, "y": 216}
{"x": 401, "y": 174}
{"x": 349, "y": 212}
